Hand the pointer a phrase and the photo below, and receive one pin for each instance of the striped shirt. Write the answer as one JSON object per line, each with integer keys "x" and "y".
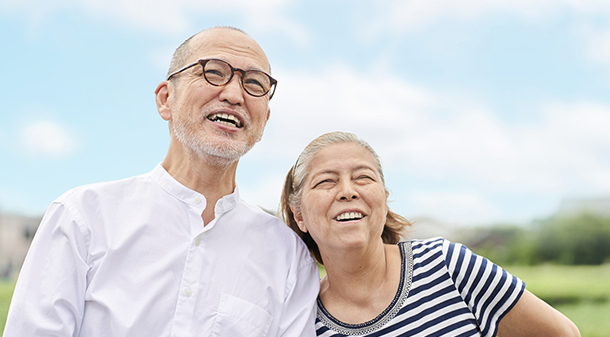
{"x": 445, "y": 290}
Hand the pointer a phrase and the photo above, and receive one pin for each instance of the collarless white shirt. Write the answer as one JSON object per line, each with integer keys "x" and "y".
{"x": 133, "y": 258}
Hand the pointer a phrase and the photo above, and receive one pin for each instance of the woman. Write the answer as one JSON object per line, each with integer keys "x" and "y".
{"x": 335, "y": 199}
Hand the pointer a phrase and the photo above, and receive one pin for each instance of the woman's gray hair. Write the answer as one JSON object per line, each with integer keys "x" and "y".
{"x": 395, "y": 224}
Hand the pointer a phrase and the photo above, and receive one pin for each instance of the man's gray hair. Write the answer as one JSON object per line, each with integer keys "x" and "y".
{"x": 184, "y": 52}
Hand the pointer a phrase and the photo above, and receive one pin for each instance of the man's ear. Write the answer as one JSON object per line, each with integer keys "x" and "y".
{"x": 298, "y": 217}
{"x": 163, "y": 99}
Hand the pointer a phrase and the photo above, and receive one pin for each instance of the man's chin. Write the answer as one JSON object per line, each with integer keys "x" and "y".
{"x": 224, "y": 154}
{"x": 218, "y": 149}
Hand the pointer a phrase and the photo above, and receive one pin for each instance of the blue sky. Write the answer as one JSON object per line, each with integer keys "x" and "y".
{"x": 481, "y": 111}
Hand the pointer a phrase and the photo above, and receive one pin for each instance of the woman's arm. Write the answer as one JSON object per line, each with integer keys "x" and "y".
{"x": 531, "y": 316}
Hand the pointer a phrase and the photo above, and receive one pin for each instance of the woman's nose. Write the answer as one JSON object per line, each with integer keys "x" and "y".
{"x": 347, "y": 192}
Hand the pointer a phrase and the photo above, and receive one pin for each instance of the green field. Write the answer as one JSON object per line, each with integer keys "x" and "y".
{"x": 580, "y": 292}
{"x": 6, "y": 291}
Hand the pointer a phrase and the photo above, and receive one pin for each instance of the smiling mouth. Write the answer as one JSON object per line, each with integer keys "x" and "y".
{"x": 225, "y": 119}
{"x": 348, "y": 216}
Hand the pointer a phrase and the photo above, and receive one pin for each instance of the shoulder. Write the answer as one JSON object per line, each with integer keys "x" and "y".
{"x": 109, "y": 189}
{"x": 75, "y": 212}
{"x": 439, "y": 245}
{"x": 265, "y": 223}
{"x": 263, "y": 219}
{"x": 432, "y": 246}
{"x": 441, "y": 252}
{"x": 258, "y": 212}
{"x": 87, "y": 203}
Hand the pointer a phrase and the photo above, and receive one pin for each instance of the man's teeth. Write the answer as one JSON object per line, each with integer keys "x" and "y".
{"x": 225, "y": 119}
{"x": 350, "y": 216}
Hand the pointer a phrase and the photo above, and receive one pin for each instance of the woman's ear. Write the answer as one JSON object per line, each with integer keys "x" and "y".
{"x": 298, "y": 217}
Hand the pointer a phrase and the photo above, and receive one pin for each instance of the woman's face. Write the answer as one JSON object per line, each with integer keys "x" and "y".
{"x": 343, "y": 204}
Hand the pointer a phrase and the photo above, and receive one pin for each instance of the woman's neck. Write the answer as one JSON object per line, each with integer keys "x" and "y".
{"x": 359, "y": 285}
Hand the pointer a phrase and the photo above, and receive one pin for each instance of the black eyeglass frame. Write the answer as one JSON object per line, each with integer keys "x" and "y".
{"x": 272, "y": 81}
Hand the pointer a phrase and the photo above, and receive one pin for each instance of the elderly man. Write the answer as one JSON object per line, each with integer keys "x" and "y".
{"x": 176, "y": 252}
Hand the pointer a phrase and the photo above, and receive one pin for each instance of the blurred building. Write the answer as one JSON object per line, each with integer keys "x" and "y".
{"x": 16, "y": 233}
{"x": 426, "y": 228}
{"x": 595, "y": 206}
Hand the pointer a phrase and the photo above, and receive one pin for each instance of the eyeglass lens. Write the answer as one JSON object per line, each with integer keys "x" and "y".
{"x": 219, "y": 73}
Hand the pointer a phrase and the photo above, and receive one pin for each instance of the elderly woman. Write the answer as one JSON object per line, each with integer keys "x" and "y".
{"x": 336, "y": 200}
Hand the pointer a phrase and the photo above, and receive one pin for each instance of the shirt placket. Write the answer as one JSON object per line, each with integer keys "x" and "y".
{"x": 190, "y": 290}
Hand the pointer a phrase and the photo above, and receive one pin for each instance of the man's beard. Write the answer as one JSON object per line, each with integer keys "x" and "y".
{"x": 210, "y": 149}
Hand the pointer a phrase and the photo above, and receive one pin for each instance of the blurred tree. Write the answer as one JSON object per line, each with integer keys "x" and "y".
{"x": 581, "y": 239}
{"x": 503, "y": 244}
{"x": 572, "y": 240}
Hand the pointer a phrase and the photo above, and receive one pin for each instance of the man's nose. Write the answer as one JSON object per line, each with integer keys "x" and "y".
{"x": 232, "y": 92}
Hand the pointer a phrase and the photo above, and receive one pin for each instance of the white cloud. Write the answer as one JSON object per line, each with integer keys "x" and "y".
{"x": 598, "y": 46}
{"x": 457, "y": 206}
{"x": 337, "y": 98}
{"x": 444, "y": 137}
{"x": 410, "y": 15}
{"x": 577, "y": 142}
{"x": 381, "y": 18}
{"x": 164, "y": 16}
{"x": 47, "y": 139}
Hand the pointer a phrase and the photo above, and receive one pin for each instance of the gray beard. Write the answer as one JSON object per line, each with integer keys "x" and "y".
{"x": 213, "y": 153}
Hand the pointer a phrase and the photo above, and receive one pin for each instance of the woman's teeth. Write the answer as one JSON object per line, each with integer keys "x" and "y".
{"x": 349, "y": 216}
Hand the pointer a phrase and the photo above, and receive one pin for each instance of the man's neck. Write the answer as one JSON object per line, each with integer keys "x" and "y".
{"x": 204, "y": 176}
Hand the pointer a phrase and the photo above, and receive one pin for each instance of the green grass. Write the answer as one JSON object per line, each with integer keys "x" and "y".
{"x": 6, "y": 292}
{"x": 592, "y": 319}
{"x": 582, "y": 293}
{"x": 566, "y": 284}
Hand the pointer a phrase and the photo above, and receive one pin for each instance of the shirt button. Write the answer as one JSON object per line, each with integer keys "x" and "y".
{"x": 198, "y": 200}
{"x": 188, "y": 292}
{"x": 197, "y": 242}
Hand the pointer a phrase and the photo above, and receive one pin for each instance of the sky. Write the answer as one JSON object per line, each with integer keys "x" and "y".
{"x": 482, "y": 112}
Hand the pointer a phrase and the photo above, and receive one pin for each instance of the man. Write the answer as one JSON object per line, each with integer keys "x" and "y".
{"x": 175, "y": 252}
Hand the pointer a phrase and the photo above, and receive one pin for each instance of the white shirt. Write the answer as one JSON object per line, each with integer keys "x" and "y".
{"x": 132, "y": 258}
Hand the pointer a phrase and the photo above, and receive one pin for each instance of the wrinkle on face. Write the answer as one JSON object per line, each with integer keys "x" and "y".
{"x": 195, "y": 99}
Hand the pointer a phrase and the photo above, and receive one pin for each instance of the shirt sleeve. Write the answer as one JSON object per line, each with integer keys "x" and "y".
{"x": 299, "y": 314}
{"x": 489, "y": 291}
{"x": 49, "y": 295}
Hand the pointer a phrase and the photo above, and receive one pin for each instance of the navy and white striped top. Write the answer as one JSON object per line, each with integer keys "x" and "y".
{"x": 445, "y": 290}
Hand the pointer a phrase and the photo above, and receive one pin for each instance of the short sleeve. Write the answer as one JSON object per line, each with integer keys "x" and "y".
{"x": 489, "y": 291}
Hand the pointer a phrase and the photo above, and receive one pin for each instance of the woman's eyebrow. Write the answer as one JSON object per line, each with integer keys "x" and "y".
{"x": 365, "y": 167}
{"x": 328, "y": 171}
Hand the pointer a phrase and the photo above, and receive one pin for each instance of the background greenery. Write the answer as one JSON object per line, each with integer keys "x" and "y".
{"x": 582, "y": 239}
{"x": 6, "y": 292}
{"x": 581, "y": 293}
{"x": 565, "y": 260}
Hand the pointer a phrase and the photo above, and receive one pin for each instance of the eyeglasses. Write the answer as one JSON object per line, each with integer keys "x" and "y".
{"x": 219, "y": 73}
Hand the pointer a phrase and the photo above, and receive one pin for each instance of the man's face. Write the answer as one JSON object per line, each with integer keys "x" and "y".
{"x": 219, "y": 123}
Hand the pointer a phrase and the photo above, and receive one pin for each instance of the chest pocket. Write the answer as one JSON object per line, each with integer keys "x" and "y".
{"x": 237, "y": 317}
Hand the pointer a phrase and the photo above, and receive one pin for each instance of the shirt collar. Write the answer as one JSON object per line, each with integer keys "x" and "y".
{"x": 189, "y": 196}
